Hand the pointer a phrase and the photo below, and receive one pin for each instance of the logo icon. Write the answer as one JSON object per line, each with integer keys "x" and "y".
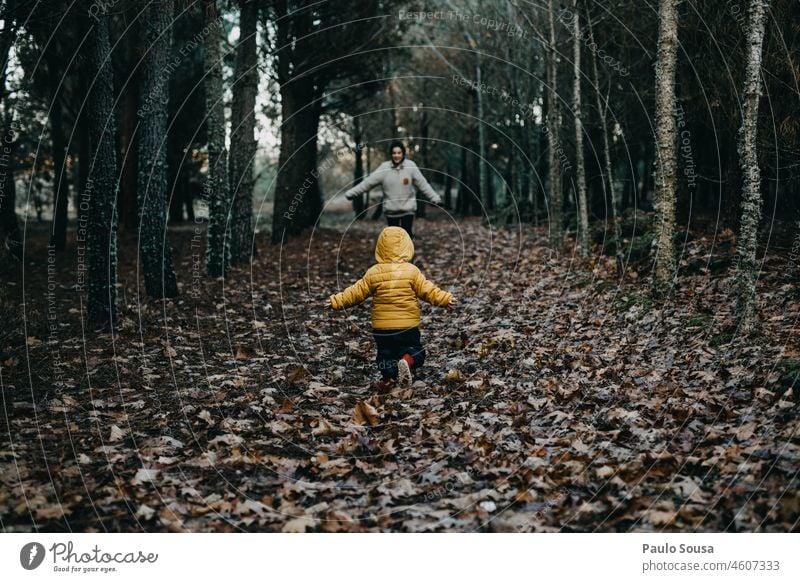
{"x": 31, "y": 555}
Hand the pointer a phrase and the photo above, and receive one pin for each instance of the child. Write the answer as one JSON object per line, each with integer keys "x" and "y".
{"x": 395, "y": 285}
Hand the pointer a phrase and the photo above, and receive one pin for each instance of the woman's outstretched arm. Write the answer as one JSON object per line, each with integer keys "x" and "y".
{"x": 423, "y": 186}
{"x": 367, "y": 183}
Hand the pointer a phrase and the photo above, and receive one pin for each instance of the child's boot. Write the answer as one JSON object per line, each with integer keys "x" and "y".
{"x": 404, "y": 370}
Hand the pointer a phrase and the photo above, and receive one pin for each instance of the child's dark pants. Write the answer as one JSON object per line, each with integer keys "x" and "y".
{"x": 393, "y": 345}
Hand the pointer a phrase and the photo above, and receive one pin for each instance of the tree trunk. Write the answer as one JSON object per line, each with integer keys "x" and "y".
{"x": 101, "y": 183}
{"x": 461, "y": 204}
{"x": 483, "y": 191}
{"x": 154, "y": 248}
{"x": 448, "y": 186}
{"x": 84, "y": 146}
{"x": 666, "y": 143}
{"x": 535, "y": 182}
{"x": 747, "y": 263}
{"x": 218, "y": 251}
{"x": 128, "y": 205}
{"x": 583, "y": 211}
{"x": 424, "y": 124}
{"x": 243, "y": 145}
{"x": 58, "y": 236}
{"x": 9, "y": 226}
{"x": 358, "y": 171}
{"x": 555, "y": 194}
{"x": 298, "y": 201}
{"x": 602, "y": 109}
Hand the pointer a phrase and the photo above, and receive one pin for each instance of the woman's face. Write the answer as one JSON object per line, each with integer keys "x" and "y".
{"x": 397, "y": 155}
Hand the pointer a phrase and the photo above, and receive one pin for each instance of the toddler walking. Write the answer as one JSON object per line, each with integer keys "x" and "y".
{"x": 395, "y": 284}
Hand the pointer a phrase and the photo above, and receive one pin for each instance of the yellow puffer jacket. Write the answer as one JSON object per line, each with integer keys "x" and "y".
{"x": 394, "y": 284}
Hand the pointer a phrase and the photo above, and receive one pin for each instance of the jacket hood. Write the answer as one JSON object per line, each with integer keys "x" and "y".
{"x": 394, "y": 246}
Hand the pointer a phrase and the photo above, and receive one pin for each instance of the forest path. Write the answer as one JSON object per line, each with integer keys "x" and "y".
{"x": 553, "y": 399}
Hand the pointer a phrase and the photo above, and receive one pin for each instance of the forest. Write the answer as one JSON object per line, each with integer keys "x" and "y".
{"x": 606, "y": 191}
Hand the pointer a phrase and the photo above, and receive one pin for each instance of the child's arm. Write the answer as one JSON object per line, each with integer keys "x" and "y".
{"x": 353, "y": 295}
{"x": 429, "y": 292}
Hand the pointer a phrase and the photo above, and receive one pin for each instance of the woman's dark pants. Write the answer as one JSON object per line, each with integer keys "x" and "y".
{"x": 406, "y": 221}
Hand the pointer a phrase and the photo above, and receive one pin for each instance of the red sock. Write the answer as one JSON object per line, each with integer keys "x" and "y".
{"x": 408, "y": 358}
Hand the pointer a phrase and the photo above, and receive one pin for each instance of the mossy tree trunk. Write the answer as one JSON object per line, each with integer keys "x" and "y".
{"x": 747, "y": 262}
{"x": 666, "y": 144}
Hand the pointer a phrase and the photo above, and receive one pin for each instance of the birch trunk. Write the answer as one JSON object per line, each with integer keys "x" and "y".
{"x": 666, "y": 141}
{"x": 747, "y": 263}
{"x": 553, "y": 127}
{"x": 218, "y": 250}
{"x": 583, "y": 211}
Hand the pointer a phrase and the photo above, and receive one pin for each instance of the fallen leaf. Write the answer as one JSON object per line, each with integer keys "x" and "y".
{"x": 365, "y": 414}
{"x": 298, "y": 525}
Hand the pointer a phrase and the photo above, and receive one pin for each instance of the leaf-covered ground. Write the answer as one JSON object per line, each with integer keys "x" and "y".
{"x": 554, "y": 398}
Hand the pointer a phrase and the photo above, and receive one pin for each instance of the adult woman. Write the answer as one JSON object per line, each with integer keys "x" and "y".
{"x": 399, "y": 180}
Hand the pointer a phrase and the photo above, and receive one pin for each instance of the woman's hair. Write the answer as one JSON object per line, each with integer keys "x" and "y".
{"x": 397, "y": 144}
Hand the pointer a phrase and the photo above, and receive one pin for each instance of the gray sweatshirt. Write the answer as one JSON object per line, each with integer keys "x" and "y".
{"x": 398, "y": 185}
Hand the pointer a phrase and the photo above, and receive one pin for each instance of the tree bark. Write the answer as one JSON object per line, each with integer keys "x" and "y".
{"x": 666, "y": 144}
{"x": 154, "y": 248}
{"x": 359, "y": 204}
{"x": 101, "y": 183}
{"x": 448, "y": 186}
{"x": 9, "y": 226}
{"x": 218, "y": 250}
{"x": 747, "y": 263}
{"x": 128, "y": 205}
{"x": 243, "y": 144}
{"x": 424, "y": 128}
{"x": 583, "y": 211}
{"x": 298, "y": 200}
{"x": 553, "y": 127}
{"x": 465, "y": 192}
